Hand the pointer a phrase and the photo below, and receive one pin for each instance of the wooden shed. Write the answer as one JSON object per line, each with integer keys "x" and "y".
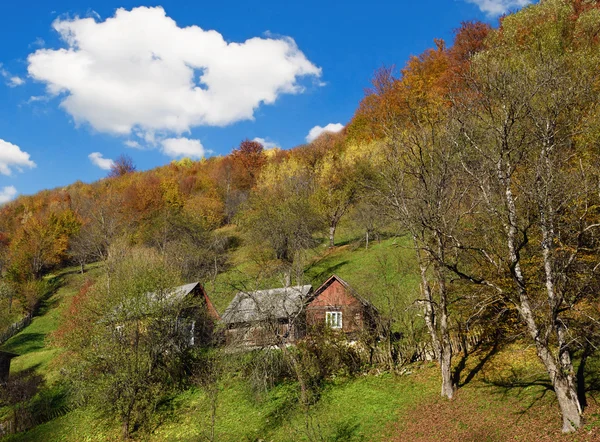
{"x": 202, "y": 318}
{"x": 335, "y": 304}
{"x": 5, "y": 358}
{"x": 196, "y": 314}
{"x": 267, "y": 317}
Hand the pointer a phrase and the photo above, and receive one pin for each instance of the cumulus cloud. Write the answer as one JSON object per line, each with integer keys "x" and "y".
{"x": 494, "y": 8}
{"x": 103, "y": 163}
{"x": 7, "y": 194}
{"x": 139, "y": 72}
{"x": 266, "y": 143}
{"x": 11, "y": 156}
{"x": 318, "y": 130}
{"x": 182, "y": 147}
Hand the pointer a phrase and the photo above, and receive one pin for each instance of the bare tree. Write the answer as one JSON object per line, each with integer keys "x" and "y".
{"x": 122, "y": 166}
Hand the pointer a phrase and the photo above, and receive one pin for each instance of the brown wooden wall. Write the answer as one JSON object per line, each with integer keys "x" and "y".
{"x": 263, "y": 334}
{"x": 336, "y": 298}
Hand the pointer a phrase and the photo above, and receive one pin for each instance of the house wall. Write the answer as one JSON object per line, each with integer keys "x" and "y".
{"x": 336, "y": 298}
{"x": 262, "y": 334}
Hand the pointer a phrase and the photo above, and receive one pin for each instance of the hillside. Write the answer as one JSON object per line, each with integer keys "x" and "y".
{"x": 459, "y": 209}
{"x": 503, "y": 394}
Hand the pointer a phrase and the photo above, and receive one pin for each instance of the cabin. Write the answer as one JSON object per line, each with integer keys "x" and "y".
{"x": 337, "y": 305}
{"x": 201, "y": 318}
{"x": 5, "y": 358}
{"x": 196, "y": 314}
{"x": 267, "y": 317}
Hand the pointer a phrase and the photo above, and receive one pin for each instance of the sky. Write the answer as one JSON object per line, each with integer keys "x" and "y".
{"x": 82, "y": 82}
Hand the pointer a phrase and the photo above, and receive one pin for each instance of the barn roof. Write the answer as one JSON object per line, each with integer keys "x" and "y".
{"x": 347, "y": 286}
{"x": 261, "y": 305}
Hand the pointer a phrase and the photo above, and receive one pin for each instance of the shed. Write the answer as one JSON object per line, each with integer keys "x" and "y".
{"x": 196, "y": 313}
{"x": 201, "y": 318}
{"x": 337, "y": 305}
{"x": 5, "y": 358}
{"x": 267, "y": 317}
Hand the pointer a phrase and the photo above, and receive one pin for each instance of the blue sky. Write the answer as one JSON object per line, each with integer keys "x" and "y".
{"x": 82, "y": 82}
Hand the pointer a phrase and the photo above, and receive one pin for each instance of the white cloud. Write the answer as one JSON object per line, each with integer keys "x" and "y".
{"x": 7, "y": 194}
{"x": 98, "y": 159}
{"x": 266, "y": 144}
{"x": 133, "y": 144}
{"x": 140, "y": 72}
{"x": 318, "y": 130}
{"x": 11, "y": 80}
{"x": 39, "y": 42}
{"x": 182, "y": 147}
{"x": 11, "y": 156}
{"x": 15, "y": 81}
{"x": 494, "y": 8}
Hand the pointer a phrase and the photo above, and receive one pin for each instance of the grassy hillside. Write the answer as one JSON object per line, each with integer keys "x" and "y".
{"x": 504, "y": 396}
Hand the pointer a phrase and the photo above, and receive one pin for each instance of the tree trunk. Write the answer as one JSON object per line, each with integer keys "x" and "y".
{"x": 332, "y": 228}
{"x": 566, "y": 393}
{"x": 446, "y": 346}
{"x": 429, "y": 313}
{"x": 367, "y": 240}
{"x": 288, "y": 277}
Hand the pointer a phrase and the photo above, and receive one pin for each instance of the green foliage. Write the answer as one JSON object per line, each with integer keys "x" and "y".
{"x": 125, "y": 340}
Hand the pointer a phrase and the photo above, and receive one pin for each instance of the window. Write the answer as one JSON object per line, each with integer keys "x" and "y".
{"x": 333, "y": 319}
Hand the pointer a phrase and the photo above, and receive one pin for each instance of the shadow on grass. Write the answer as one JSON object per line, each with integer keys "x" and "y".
{"x": 24, "y": 343}
{"x": 326, "y": 272}
{"x": 346, "y": 431}
{"x": 462, "y": 363}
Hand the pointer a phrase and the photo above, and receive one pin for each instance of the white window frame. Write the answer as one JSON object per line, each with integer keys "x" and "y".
{"x": 334, "y": 319}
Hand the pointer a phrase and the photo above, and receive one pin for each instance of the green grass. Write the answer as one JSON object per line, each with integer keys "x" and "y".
{"x": 350, "y": 410}
{"x": 31, "y": 344}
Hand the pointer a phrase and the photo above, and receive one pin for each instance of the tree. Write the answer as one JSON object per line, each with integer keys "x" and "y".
{"x": 528, "y": 113}
{"x": 280, "y": 215}
{"x": 123, "y": 165}
{"x": 420, "y": 188}
{"x": 338, "y": 185}
{"x": 126, "y": 340}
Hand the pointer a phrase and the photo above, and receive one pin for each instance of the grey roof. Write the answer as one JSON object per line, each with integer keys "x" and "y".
{"x": 178, "y": 293}
{"x": 261, "y": 305}
{"x": 172, "y": 296}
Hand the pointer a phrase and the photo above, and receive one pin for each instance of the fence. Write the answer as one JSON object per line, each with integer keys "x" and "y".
{"x": 15, "y": 328}
{"x": 423, "y": 351}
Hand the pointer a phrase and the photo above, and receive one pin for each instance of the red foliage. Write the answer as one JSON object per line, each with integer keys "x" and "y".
{"x": 122, "y": 166}
{"x": 247, "y": 162}
{"x": 469, "y": 40}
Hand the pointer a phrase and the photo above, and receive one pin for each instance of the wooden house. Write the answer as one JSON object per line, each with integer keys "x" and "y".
{"x": 336, "y": 305}
{"x": 201, "y": 317}
{"x": 195, "y": 314}
{"x": 267, "y": 317}
{"x": 5, "y": 358}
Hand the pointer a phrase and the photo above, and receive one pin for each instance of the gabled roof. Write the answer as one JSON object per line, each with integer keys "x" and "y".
{"x": 181, "y": 292}
{"x": 347, "y": 286}
{"x": 177, "y": 295}
{"x": 262, "y": 305}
